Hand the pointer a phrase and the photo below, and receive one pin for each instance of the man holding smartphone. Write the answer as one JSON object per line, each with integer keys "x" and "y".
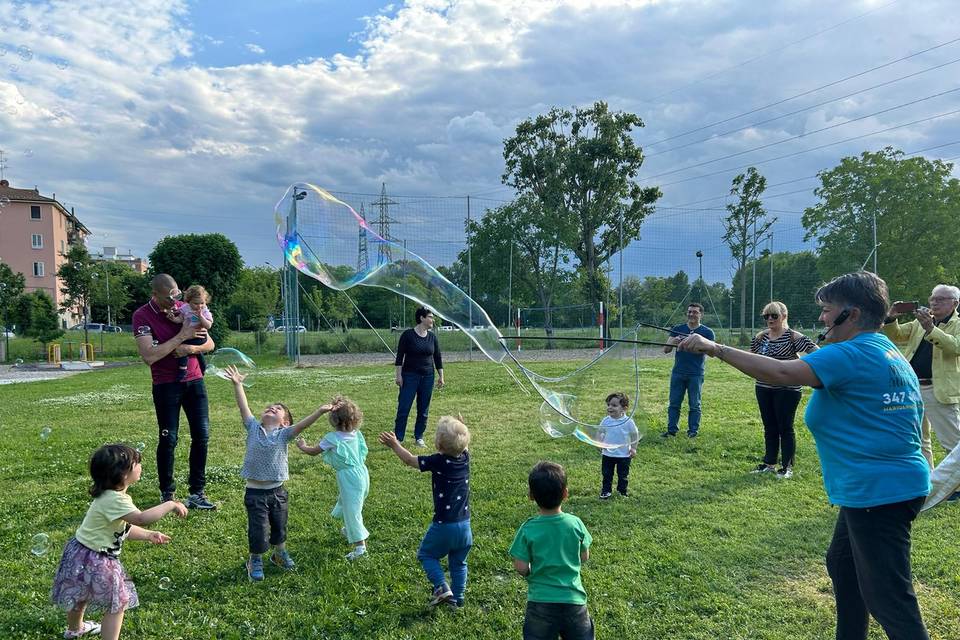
{"x": 931, "y": 342}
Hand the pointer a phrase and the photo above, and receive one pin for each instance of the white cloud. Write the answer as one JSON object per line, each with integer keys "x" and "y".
{"x": 135, "y": 124}
{"x": 254, "y": 48}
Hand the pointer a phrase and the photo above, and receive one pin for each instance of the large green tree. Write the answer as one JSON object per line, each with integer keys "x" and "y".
{"x": 255, "y": 297}
{"x": 11, "y": 287}
{"x": 579, "y": 165}
{"x": 745, "y": 226}
{"x": 112, "y": 291}
{"x": 211, "y": 260}
{"x": 795, "y": 280}
{"x": 36, "y": 315}
{"x": 76, "y": 284}
{"x": 517, "y": 251}
{"x": 915, "y": 202}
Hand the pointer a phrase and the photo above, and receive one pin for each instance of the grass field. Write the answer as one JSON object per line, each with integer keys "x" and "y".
{"x": 700, "y": 550}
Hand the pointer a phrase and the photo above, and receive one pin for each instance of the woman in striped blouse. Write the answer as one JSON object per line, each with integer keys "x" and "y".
{"x": 778, "y": 405}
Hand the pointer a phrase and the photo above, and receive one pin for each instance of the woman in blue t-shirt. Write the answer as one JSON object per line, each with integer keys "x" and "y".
{"x": 864, "y": 414}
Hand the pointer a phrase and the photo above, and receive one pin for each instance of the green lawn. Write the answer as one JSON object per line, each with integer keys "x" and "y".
{"x": 701, "y": 549}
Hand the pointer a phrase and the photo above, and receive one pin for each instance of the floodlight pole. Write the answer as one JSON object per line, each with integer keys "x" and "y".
{"x": 620, "y": 302}
{"x": 291, "y": 302}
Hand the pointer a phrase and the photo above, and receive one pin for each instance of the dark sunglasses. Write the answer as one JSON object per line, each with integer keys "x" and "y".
{"x": 771, "y": 316}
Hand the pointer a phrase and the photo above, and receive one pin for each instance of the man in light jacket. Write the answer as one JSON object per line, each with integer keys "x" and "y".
{"x": 931, "y": 342}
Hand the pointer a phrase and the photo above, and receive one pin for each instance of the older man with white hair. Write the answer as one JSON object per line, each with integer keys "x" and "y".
{"x": 931, "y": 342}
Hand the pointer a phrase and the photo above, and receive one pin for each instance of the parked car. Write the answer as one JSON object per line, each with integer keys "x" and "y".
{"x": 97, "y": 327}
{"x": 299, "y": 329}
{"x": 6, "y": 333}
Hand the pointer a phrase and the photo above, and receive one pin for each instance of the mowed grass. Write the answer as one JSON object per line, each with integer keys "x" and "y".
{"x": 701, "y": 549}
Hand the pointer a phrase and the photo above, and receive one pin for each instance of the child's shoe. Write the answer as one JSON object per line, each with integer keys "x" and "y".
{"x": 358, "y": 551}
{"x": 88, "y": 627}
{"x": 255, "y": 568}
{"x": 421, "y": 443}
{"x": 282, "y": 559}
{"x": 441, "y": 594}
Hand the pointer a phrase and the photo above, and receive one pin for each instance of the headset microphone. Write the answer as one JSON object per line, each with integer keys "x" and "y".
{"x": 841, "y": 318}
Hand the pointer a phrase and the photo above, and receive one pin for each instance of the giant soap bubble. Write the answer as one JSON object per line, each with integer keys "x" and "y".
{"x": 320, "y": 236}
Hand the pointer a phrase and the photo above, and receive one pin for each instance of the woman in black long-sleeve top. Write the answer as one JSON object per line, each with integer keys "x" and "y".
{"x": 418, "y": 352}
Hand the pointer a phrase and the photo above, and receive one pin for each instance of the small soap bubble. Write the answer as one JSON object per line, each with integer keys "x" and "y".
{"x": 4, "y": 201}
{"x": 28, "y": 153}
{"x": 62, "y": 64}
{"x": 25, "y": 53}
{"x": 140, "y": 446}
{"x": 45, "y": 433}
{"x": 165, "y": 432}
{"x": 40, "y": 544}
{"x": 165, "y": 583}
{"x": 19, "y": 361}
{"x": 24, "y": 24}
{"x": 226, "y": 357}
{"x": 14, "y": 68}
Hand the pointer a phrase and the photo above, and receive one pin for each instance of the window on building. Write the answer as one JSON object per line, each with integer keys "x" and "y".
{"x": 35, "y": 212}
{"x": 62, "y": 247}
{"x": 38, "y": 269}
{"x": 36, "y": 241}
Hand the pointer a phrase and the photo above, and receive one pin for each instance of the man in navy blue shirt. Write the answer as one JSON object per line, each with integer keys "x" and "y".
{"x": 687, "y": 375}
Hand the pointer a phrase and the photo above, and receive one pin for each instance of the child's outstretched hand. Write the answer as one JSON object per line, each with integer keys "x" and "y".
{"x": 388, "y": 438}
{"x": 179, "y": 509}
{"x": 158, "y": 538}
{"x": 331, "y": 406}
{"x": 233, "y": 374}
{"x": 302, "y": 444}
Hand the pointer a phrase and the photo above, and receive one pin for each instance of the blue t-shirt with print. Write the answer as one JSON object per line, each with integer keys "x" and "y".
{"x": 451, "y": 485}
{"x": 686, "y": 363}
{"x": 865, "y": 421}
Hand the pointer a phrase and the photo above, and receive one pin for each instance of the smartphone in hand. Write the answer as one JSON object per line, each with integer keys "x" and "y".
{"x": 906, "y": 307}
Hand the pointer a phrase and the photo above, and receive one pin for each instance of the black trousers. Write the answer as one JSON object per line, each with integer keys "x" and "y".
{"x": 869, "y": 564}
{"x": 266, "y": 516}
{"x": 778, "y": 408}
{"x": 168, "y": 399}
{"x": 608, "y": 464}
{"x": 552, "y": 620}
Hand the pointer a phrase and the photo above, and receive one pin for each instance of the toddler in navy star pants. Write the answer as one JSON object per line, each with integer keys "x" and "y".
{"x": 449, "y": 534}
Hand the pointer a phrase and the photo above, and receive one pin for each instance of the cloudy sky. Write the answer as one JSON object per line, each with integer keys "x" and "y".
{"x": 159, "y": 117}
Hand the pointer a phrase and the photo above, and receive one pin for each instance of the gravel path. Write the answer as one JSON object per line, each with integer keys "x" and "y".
{"x": 539, "y": 355}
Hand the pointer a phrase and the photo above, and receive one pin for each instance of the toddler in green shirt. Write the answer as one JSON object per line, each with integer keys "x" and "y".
{"x": 548, "y": 551}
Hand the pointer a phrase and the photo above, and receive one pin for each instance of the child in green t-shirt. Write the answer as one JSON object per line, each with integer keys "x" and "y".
{"x": 548, "y": 551}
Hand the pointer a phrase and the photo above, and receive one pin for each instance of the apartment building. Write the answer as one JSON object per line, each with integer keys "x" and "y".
{"x": 35, "y": 232}
{"x": 110, "y": 254}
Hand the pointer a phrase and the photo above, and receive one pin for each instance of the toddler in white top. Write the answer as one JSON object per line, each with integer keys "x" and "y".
{"x": 620, "y": 435}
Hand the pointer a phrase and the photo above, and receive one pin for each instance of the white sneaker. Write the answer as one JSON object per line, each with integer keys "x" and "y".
{"x": 89, "y": 628}
{"x": 784, "y": 473}
{"x": 357, "y": 552}
{"x": 421, "y": 443}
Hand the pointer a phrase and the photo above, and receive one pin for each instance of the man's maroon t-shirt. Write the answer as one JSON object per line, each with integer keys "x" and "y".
{"x": 149, "y": 320}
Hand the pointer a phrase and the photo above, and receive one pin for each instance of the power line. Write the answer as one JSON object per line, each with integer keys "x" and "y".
{"x": 803, "y": 93}
{"x": 793, "y": 113}
{"x": 802, "y": 135}
{"x": 791, "y": 181}
{"x": 817, "y": 148}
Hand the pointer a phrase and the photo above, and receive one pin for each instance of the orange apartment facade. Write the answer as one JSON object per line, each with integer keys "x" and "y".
{"x": 35, "y": 232}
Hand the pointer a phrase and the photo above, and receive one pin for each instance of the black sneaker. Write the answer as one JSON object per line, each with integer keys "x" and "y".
{"x": 954, "y": 496}
{"x": 605, "y": 495}
{"x": 668, "y": 434}
{"x": 199, "y": 501}
{"x": 785, "y": 473}
{"x": 763, "y": 468}
{"x": 692, "y": 434}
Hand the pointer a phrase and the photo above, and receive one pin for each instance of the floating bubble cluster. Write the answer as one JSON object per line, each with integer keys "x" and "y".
{"x": 220, "y": 359}
{"x": 165, "y": 583}
{"x": 45, "y": 433}
{"x": 316, "y": 231}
